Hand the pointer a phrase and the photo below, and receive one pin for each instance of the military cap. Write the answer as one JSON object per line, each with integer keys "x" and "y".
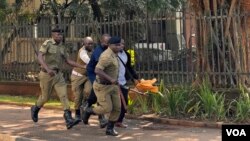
{"x": 57, "y": 30}
{"x": 114, "y": 40}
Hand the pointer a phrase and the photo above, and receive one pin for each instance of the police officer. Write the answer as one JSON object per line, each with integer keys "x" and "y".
{"x": 105, "y": 86}
{"x": 80, "y": 84}
{"x": 51, "y": 56}
{"x": 100, "y": 48}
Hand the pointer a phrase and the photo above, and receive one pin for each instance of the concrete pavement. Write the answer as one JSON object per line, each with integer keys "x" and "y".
{"x": 16, "y": 125}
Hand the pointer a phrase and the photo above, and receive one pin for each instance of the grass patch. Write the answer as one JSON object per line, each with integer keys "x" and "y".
{"x": 20, "y": 100}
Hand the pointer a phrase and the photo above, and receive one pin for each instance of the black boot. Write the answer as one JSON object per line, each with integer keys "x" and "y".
{"x": 70, "y": 122}
{"x": 110, "y": 129}
{"x": 77, "y": 116}
{"x": 86, "y": 114}
{"x": 84, "y": 106}
{"x": 34, "y": 113}
{"x": 102, "y": 121}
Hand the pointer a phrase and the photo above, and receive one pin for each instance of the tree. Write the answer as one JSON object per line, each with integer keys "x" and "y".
{"x": 59, "y": 9}
{"x": 3, "y": 9}
{"x": 95, "y": 10}
{"x": 219, "y": 49}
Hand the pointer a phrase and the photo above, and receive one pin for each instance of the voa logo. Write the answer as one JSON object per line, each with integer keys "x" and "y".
{"x": 236, "y": 132}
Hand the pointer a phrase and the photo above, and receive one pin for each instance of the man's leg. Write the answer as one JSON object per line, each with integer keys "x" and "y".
{"x": 119, "y": 122}
{"x": 86, "y": 94}
{"x": 61, "y": 90}
{"x": 87, "y": 90}
{"x": 91, "y": 99}
{"x": 114, "y": 115}
{"x": 102, "y": 92}
{"x": 77, "y": 89}
{"x": 46, "y": 85}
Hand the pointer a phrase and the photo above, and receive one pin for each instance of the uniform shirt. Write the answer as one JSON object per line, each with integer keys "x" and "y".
{"x": 93, "y": 61}
{"x": 122, "y": 70}
{"x": 83, "y": 58}
{"x": 108, "y": 62}
{"x": 54, "y": 54}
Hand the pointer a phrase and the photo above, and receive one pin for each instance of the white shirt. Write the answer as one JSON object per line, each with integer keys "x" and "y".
{"x": 84, "y": 55}
{"x": 122, "y": 69}
{"x": 85, "y": 58}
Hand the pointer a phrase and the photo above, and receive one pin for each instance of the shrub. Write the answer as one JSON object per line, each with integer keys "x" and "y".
{"x": 242, "y": 106}
{"x": 177, "y": 101}
{"x": 212, "y": 104}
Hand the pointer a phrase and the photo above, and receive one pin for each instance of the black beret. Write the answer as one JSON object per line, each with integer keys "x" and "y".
{"x": 115, "y": 40}
{"x": 57, "y": 30}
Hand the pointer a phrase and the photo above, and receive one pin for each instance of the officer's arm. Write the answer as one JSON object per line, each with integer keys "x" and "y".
{"x": 70, "y": 62}
{"x": 44, "y": 65}
{"x": 102, "y": 74}
{"x": 74, "y": 64}
{"x": 42, "y": 51}
{"x": 41, "y": 61}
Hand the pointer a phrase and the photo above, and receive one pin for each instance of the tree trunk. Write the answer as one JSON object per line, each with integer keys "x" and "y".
{"x": 245, "y": 28}
{"x": 206, "y": 27}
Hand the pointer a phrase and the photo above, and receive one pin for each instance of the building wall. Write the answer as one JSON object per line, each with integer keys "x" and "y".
{"x": 27, "y": 89}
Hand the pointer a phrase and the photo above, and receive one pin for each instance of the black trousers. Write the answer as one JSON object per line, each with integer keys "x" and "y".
{"x": 92, "y": 98}
{"x": 123, "y": 110}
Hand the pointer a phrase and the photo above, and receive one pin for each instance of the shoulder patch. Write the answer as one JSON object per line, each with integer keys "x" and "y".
{"x": 47, "y": 42}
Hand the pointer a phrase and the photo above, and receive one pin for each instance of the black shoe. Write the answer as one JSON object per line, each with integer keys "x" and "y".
{"x": 34, "y": 113}
{"x": 102, "y": 121}
{"x": 110, "y": 129}
{"x": 70, "y": 122}
{"x": 86, "y": 114}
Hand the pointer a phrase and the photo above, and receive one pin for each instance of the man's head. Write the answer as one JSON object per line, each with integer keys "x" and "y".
{"x": 105, "y": 40}
{"x": 115, "y": 44}
{"x": 88, "y": 43}
{"x": 57, "y": 34}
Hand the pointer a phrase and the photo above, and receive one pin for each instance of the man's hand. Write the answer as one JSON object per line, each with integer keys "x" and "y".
{"x": 51, "y": 72}
{"x": 136, "y": 81}
{"x": 114, "y": 81}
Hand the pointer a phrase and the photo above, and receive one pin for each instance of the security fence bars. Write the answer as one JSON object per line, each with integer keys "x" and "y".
{"x": 177, "y": 47}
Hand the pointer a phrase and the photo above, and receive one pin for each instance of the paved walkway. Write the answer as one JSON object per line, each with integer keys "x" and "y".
{"x": 16, "y": 125}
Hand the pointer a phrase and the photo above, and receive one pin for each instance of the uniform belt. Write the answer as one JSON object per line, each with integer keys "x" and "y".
{"x": 103, "y": 82}
{"x": 55, "y": 69}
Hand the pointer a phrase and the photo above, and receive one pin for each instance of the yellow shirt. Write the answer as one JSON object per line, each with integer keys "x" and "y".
{"x": 132, "y": 56}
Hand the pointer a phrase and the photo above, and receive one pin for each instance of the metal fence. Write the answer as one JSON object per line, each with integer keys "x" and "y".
{"x": 168, "y": 46}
